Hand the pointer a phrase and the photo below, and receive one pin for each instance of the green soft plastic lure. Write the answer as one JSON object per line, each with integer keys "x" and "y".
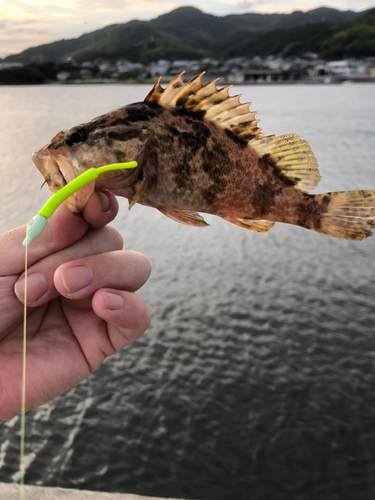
{"x": 36, "y": 226}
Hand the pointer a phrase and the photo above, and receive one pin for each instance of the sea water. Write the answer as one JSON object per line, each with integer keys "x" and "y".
{"x": 256, "y": 378}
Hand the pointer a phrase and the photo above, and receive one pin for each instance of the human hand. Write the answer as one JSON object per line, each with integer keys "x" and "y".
{"x": 81, "y": 302}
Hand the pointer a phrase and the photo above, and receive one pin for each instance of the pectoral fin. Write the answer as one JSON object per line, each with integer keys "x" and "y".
{"x": 140, "y": 187}
{"x": 257, "y": 226}
{"x": 144, "y": 181}
{"x": 185, "y": 217}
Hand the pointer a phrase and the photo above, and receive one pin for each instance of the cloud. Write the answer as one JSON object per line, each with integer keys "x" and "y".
{"x": 20, "y": 39}
{"x": 265, "y": 6}
{"x": 16, "y": 28}
{"x": 245, "y": 5}
{"x": 101, "y": 5}
{"x": 287, "y": 6}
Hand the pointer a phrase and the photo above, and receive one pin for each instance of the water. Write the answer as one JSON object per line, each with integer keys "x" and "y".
{"x": 256, "y": 379}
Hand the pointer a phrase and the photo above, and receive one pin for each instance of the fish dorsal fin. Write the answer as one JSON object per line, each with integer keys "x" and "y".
{"x": 209, "y": 102}
{"x": 292, "y": 157}
{"x": 257, "y": 226}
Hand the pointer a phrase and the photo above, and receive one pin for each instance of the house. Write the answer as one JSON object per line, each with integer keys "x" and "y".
{"x": 345, "y": 68}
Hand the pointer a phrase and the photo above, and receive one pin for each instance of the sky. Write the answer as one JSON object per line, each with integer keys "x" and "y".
{"x": 28, "y": 23}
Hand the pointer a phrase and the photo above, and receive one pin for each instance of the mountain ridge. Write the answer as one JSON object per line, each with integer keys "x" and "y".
{"x": 189, "y": 33}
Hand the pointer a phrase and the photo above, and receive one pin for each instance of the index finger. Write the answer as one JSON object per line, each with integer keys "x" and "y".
{"x": 63, "y": 229}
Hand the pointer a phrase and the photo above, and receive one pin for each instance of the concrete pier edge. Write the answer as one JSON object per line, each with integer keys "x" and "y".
{"x": 10, "y": 491}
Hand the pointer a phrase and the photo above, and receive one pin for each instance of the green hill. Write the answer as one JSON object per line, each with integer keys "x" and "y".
{"x": 285, "y": 43}
{"x": 320, "y": 15}
{"x": 139, "y": 42}
{"x": 354, "y": 39}
{"x": 188, "y": 33}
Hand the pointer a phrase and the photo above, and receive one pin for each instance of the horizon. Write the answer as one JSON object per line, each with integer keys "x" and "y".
{"x": 36, "y": 23}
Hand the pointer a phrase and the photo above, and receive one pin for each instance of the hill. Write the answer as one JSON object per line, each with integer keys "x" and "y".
{"x": 354, "y": 39}
{"x": 285, "y": 43}
{"x": 188, "y": 33}
{"x": 139, "y": 42}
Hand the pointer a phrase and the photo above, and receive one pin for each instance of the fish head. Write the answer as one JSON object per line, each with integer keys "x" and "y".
{"x": 90, "y": 145}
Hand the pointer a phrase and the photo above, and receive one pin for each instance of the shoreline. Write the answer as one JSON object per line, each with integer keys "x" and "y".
{"x": 221, "y": 82}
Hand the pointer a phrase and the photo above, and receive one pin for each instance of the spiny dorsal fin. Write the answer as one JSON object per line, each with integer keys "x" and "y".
{"x": 257, "y": 226}
{"x": 292, "y": 157}
{"x": 215, "y": 105}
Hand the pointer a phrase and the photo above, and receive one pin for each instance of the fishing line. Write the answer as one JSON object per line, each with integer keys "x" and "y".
{"x": 34, "y": 229}
{"x": 23, "y": 393}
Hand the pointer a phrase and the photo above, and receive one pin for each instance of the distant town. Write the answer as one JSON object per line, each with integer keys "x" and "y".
{"x": 238, "y": 70}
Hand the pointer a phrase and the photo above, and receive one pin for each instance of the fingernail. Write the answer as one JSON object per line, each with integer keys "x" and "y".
{"x": 104, "y": 200}
{"x": 36, "y": 288}
{"x": 75, "y": 278}
{"x": 113, "y": 302}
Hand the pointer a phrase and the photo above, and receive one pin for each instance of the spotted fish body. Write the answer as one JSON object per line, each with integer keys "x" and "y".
{"x": 199, "y": 150}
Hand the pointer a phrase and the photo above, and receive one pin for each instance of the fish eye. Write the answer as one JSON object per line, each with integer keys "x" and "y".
{"x": 74, "y": 137}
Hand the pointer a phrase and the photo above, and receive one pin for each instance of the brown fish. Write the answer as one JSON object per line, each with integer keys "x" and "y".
{"x": 199, "y": 150}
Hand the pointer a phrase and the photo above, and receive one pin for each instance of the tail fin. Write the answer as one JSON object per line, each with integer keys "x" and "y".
{"x": 349, "y": 215}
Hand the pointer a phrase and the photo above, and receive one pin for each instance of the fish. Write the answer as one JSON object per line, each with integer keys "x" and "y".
{"x": 199, "y": 150}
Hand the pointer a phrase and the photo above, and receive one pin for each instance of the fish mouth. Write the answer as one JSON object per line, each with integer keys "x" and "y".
{"x": 57, "y": 172}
